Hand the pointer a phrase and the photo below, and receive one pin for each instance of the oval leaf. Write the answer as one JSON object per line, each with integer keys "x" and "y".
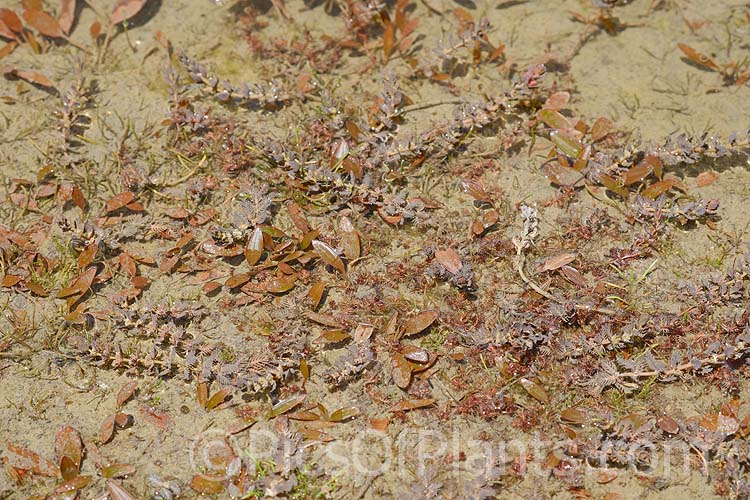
{"x": 420, "y": 322}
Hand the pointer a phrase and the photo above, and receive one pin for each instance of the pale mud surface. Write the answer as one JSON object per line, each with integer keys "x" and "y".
{"x": 637, "y": 78}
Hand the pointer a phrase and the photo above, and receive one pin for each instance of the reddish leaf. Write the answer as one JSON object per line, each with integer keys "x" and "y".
{"x": 557, "y": 261}
{"x": 420, "y": 322}
{"x": 29, "y": 76}
{"x": 237, "y": 280}
{"x": 10, "y": 280}
{"x": 68, "y": 444}
{"x": 95, "y": 30}
{"x": 637, "y": 173}
{"x": 80, "y": 285}
{"x": 281, "y": 284}
{"x": 449, "y": 259}
{"x": 107, "y": 430}
{"x": 298, "y": 217}
{"x": 11, "y": 21}
{"x": 126, "y": 392}
{"x": 78, "y": 199}
{"x": 125, "y": 9}
{"x": 401, "y": 371}
{"x": 66, "y": 15}
{"x": 706, "y": 178}
{"x": 411, "y": 404}
{"x": 44, "y": 23}
{"x": 389, "y": 37}
{"x": 557, "y": 101}
{"x": 316, "y": 293}
{"x": 118, "y": 201}
{"x": 698, "y": 58}
{"x": 127, "y": 264}
{"x": 600, "y": 129}
{"x": 536, "y": 390}
{"x": 86, "y": 257}
{"x": 657, "y": 188}
{"x": 9, "y": 47}
{"x": 349, "y": 239}
{"x": 328, "y": 255}
{"x": 155, "y": 417}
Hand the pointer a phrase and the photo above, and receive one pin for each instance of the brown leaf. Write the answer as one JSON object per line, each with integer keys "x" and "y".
{"x": 66, "y": 17}
{"x": 80, "y": 285}
{"x": 668, "y": 425}
{"x": 600, "y": 129}
{"x": 29, "y": 76}
{"x": 557, "y": 261}
{"x": 573, "y": 275}
{"x": 95, "y": 30}
{"x": 380, "y": 424}
{"x": 298, "y": 217}
{"x": 126, "y": 392}
{"x": 706, "y": 178}
{"x": 71, "y": 484}
{"x": 449, "y": 259}
{"x": 68, "y": 444}
{"x": 123, "y": 420}
{"x": 573, "y": 416}
{"x": 6, "y": 32}
{"x": 237, "y": 280}
{"x": 389, "y": 37}
{"x": 107, "y": 430}
{"x": 44, "y": 23}
{"x": 86, "y": 257}
{"x": 420, "y": 322}
{"x": 127, "y": 264}
{"x": 536, "y": 390}
{"x": 158, "y": 418}
{"x": 218, "y": 398}
{"x": 333, "y": 336}
{"x": 557, "y": 101}
{"x": 9, "y": 47}
{"x": 35, "y": 288}
{"x": 412, "y": 404}
{"x": 281, "y": 284}
{"x": 117, "y": 470}
{"x": 401, "y": 371}
{"x": 696, "y": 57}
{"x": 415, "y": 354}
{"x": 637, "y": 173}
{"x": 349, "y": 239}
{"x": 11, "y": 21}
{"x": 10, "y": 280}
{"x": 657, "y": 188}
{"x": 118, "y": 201}
{"x": 210, "y": 485}
{"x": 125, "y": 9}
{"x": 316, "y": 293}
{"x": 328, "y": 255}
